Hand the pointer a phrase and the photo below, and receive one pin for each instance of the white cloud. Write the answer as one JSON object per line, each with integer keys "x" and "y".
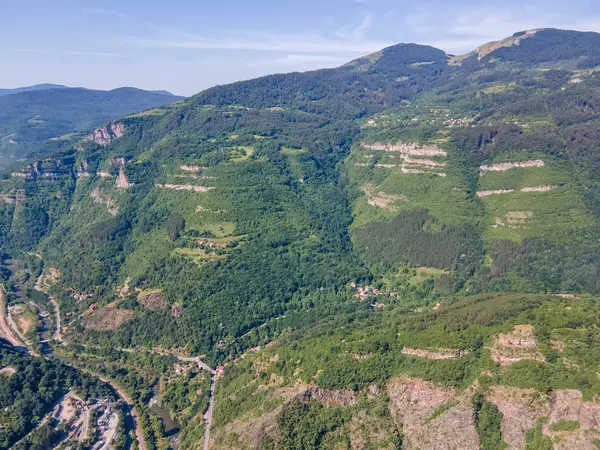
{"x": 104, "y": 12}
{"x": 463, "y": 29}
{"x": 47, "y": 51}
{"x": 302, "y": 60}
{"x": 294, "y": 43}
{"x": 357, "y": 32}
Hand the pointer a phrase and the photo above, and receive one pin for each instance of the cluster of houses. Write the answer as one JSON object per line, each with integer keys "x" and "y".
{"x": 81, "y": 297}
{"x": 367, "y": 292}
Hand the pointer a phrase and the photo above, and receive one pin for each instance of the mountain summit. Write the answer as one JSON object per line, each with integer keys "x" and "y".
{"x": 403, "y": 251}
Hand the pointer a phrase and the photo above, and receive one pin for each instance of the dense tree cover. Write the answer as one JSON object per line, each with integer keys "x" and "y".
{"x": 551, "y": 46}
{"x": 362, "y": 87}
{"x": 488, "y": 421}
{"x": 32, "y": 390}
{"x": 175, "y": 225}
{"x": 327, "y": 354}
{"x": 416, "y": 237}
{"x": 270, "y": 252}
{"x": 32, "y": 117}
{"x": 304, "y": 424}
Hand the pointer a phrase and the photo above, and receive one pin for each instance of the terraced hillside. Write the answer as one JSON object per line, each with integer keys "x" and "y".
{"x": 366, "y": 256}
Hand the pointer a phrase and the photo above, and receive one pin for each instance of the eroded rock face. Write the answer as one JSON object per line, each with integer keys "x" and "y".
{"x": 185, "y": 187}
{"x": 333, "y": 397}
{"x": 440, "y": 353}
{"x": 153, "y": 300}
{"x": 413, "y": 400}
{"x": 502, "y": 167}
{"x": 515, "y": 346}
{"x": 408, "y": 148}
{"x": 521, "y": 409}
{"x": 106, "y": 134}
{"x": 122, "y": 182}
{"x": 454, "y": 429}
{"x": 111, "y": 204}
{"x": 568, "y": 405}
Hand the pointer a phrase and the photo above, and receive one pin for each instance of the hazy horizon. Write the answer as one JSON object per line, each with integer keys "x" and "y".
{"x": 190, "y": 46}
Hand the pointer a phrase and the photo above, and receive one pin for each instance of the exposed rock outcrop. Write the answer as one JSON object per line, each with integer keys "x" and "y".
{"x": 515, "y": 346}
{"x": 192, "y": 168}
{"x": 413, "y": 400}
{"x": 185, "y": 187}
{"x": 381, "y": 199}
{"x": 108, "y": 319}
{"x": 153, "y": 300}
{"x": 82, "y": 169}
{"x": 7, "y": 199}
{"x": 122, "y": 182}
{"x": 494, "y": 192}
{"x": 407, "y": 148}
{"x": 111, "y": 204}
{"x": 502, "y": 167}
{"x": 106, "y": 134}
{"x": 521, "y": 409}
{"x": 440, "y": 353}
{"x": 537, "y": 188}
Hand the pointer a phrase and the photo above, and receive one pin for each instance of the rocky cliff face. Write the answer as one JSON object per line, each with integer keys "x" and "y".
{"x": 106, "y": 134}
{"x": 435, "y": 417}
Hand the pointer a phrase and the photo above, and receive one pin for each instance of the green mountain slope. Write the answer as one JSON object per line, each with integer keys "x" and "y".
{"x": 31, "y": 116}
{"x": 409, "y": 230}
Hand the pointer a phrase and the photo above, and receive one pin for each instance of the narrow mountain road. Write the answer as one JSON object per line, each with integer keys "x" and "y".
{"x": 136, "y": 422}
{"x": 38, "y": 287}
{"x": 6, "y": 330}
{"x": 195, "y": 359}
{"x": 14, "y": 328}
{"x": 208, "y": 417}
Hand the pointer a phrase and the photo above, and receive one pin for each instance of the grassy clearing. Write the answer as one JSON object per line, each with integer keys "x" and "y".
{"x": 27, "y": 320}
{"x": 543, "y": 213}
{"x": 149, "y": 113}
{"x": 445, "y": 197}
{"x": 144, "y": 292}
{"x": 219, "y": 229}
{"x": 197, "y": 255}
{"x": 422, "y": 274}
{"x": 550, "y": 212}
{"x": 242, "y": 153}
{"x": 292, "y": 151}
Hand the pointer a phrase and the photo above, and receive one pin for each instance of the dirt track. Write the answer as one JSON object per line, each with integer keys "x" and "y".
{"x": 6, "y": 331}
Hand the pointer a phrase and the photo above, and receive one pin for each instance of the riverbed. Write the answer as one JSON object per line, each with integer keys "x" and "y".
{"x": 172, "y": 427}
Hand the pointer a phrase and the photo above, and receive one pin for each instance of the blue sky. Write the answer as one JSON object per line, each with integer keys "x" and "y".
{"x": 188, "y": 45}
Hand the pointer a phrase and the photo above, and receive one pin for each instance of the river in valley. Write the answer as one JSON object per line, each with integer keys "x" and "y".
{"x": 172, "y": 427}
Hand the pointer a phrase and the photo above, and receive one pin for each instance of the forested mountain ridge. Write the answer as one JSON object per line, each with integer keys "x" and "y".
{"x": 45, "y": 118}
{"x": 36, "y": 87}
{"x": 409, "y": 230}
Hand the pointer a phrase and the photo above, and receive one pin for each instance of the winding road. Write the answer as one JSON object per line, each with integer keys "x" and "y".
{"x": 9, "y": 334}
{"x": 38, "y": 287}
{"x": 6, "y": 330}
{"x": 208, "y": 416}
